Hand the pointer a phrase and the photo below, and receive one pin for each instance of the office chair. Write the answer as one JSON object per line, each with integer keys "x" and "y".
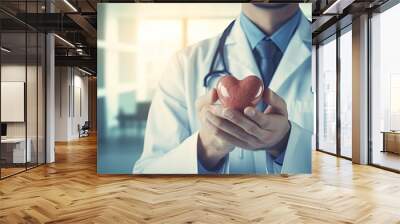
{"x": 84, "y": 130}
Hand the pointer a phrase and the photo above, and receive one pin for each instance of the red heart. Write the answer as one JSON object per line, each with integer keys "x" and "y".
{"x": 239, "y": 94}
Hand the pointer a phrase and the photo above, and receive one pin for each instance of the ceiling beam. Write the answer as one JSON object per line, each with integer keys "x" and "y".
{"x": 49, "y": 22}
{"x": 84, "y": 24}
{"x": 81, "y": 61}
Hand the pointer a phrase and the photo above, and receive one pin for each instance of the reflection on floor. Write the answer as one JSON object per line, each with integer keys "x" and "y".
{"x": 70, "y": 191}
{"x": 10, "y": 171}
{"x": 387, "y": 159}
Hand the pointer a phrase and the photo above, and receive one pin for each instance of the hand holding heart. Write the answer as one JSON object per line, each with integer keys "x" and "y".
{"x": 231, "y": 126}
{"x": 238, "y": 116}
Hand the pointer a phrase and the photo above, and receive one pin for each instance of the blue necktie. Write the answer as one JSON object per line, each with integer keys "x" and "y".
{"x": 268, "y": 56}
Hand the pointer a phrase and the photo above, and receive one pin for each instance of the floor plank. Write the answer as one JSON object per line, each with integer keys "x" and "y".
{"x": 70, "y": 191}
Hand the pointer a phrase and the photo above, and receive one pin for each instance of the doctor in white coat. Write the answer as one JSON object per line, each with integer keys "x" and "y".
{"x": 188, "y": 132}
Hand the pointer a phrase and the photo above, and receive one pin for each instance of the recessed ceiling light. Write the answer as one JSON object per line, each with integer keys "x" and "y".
{"x": 338, "y": 6}
{"x": 64, "y": 40}
{"x": 70, "y": 5}
{"x": 84, "y": 71}
{"x": 5, "y": 50}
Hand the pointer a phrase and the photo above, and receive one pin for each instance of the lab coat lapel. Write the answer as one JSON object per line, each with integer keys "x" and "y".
{"x": 240, "y": 56}
{"x": 296, "y": 53}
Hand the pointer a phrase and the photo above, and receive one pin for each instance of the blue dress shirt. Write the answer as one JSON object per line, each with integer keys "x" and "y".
{"x": 280, "y": 38}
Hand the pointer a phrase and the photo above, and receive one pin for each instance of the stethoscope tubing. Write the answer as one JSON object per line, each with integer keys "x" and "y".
{"x": 220, "y": 51}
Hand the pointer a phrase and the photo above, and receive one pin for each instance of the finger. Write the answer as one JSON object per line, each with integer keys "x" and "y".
{"x": 268, "y": 122}
{"x": 232, "y": 129}
{"x": 207, "y": 99}
{"x": 274, "y": 121}
{"x": 258, "y": 117}
{"x": 275, "y": 103}
{"x": 209, "y": 108}
{"x": 243, "y": 122}
{"x": 216, "y": 109}
{"x": 225, "y": 137}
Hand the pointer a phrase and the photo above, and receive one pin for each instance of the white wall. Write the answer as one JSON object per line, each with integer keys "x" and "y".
{"x": 70, "y": 84}
{"x": 61, "y": 103}
{"x": 79, "y": 117}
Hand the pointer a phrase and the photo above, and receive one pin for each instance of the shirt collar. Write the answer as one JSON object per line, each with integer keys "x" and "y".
{"x": 281, "y": 37}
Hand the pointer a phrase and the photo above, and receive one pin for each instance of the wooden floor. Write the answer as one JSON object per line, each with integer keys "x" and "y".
{"x": 70, "y": 191}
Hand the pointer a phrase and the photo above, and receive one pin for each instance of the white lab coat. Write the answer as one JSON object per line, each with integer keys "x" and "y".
{"x": 170, "y": 145}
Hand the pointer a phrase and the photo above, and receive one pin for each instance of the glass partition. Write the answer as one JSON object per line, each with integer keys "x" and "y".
{"x": 22, "y": 78}
{"x": 346, "y": 93}
{"x": 14, "y": 153}
{"x": 327, "y": 96}
{"x": 41, "y": 96}
{"x": 385, "y": 89}
{"x": 31, "y": 97}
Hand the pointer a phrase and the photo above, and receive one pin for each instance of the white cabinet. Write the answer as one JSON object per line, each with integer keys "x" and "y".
{"x": 18, "y": 149}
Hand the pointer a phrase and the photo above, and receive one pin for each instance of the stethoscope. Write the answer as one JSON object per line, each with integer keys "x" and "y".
{"x": 220, "y": 51}
{"x": 225, "y": 70}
